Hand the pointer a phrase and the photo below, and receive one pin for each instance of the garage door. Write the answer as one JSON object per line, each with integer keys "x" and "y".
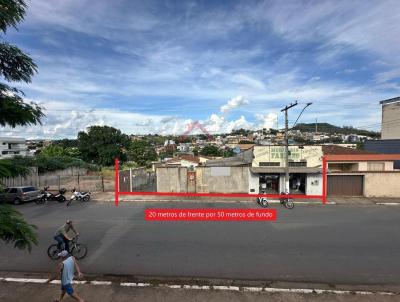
{"x": 345, "y": 185}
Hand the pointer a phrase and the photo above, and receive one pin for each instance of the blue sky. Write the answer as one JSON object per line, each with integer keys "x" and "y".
{"x": 156, "y": 66}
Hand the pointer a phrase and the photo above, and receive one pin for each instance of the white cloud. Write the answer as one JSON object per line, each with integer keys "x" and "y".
{"x": 234, "y": 103}
{"x": 266, "y": 120}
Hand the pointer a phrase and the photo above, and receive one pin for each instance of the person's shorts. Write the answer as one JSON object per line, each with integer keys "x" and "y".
{"x": 68, "y": 288}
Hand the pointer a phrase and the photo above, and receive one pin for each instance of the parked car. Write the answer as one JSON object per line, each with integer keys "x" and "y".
{"x": 17, "y": 195}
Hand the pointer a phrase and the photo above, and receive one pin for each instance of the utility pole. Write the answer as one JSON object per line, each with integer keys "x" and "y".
{"x": 287, "y": 145}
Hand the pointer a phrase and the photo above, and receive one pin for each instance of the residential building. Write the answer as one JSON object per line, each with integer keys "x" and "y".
{"x": 390, "y": 118}
{"x": 369, "y": 175}
{"x": 12, "y": 146}
{"x": 385, "y": 146}
{"x": 188, "y": 161}
{"x": 390, "y": 131}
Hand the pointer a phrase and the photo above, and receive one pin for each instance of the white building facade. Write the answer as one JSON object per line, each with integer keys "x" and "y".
{"x": 268, "y": 170}
{"x": 12, "y": 146}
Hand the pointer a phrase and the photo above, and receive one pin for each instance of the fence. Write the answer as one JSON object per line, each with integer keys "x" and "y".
{"x": 137, "y": 180}
{"x": 69, "y": 178}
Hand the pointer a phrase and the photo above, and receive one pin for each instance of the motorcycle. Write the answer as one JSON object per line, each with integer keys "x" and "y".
{"x": 263, "y": 201}
{"x": 76, "y": 195}
{"x": 46, "y": 195}
{"x": 285, "y": 201}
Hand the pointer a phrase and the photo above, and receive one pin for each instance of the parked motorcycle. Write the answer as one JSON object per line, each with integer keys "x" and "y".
{"x": 58, "y": 197}
{"x": 263, "y": 201}
{"x": 46, "y": 195}
{"x": 76, "y": 195}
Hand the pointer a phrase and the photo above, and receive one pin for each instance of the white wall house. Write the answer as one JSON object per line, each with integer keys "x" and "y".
{"x": 12, "y": 146}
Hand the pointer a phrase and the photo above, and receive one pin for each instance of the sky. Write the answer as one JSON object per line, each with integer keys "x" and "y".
{"x": 158, "y": 66}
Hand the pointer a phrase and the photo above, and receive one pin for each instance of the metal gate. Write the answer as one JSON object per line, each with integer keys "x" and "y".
{"x": 134, "y": 180}
{"x": 345, "y": 185}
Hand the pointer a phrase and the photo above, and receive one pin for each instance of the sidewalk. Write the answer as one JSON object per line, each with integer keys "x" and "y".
{"x": 35, "y": 290}
{"x": 110, "y": 197}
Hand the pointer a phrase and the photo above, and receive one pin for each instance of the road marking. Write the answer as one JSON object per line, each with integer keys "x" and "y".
{"x": 207, "y": 287}
{"x": 139, "y": 284}
{"x": 25, "y": 280}
{"x": 252, "y": 289}
{"x": 59, "y": 282}
{"x": 173, "y": 286}
{"x": 388, "y": 203}
{"x": 196, "y": 287}
{"x": 288, "y": 290}
{"x": 219, "y": 287}
{"x": 100, "y": 282}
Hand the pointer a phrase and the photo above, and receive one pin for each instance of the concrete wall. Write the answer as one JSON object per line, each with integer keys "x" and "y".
{"x": 254, "y": 183}
{"x": 314, "y": 184}
{"x": 222, "y": 179}
{"x": 55, "y": 178}
{"x": 382, "y": 184}
{"x": 390, "y": 113}
{"x": 171, "y": 179}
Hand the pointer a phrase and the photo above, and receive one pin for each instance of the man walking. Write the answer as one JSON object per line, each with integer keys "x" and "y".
{"x": 66, "y": 270}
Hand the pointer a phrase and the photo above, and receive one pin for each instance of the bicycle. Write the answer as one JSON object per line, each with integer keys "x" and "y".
{"x": 78, "y": 250}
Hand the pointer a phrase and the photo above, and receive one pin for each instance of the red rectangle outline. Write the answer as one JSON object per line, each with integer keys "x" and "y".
{"x": 239, "y": 195}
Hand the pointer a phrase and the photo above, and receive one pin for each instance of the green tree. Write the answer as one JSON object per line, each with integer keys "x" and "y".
{"x": 66, "y": 143}
{"x": 102, "y": 144}
{"x": 141, "y": 152}
{"x": 15, "y": 230}
{"x": 229, "y": 152}
{"x": 54, "y": 150}
{"x": 211, "y": 150}
{"x": 15, "y": 66}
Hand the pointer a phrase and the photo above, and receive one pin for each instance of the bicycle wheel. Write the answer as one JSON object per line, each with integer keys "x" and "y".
{"x": 289, "y": 204}
{"x": 79, "y": 250}
{"x": 53, "y": 251}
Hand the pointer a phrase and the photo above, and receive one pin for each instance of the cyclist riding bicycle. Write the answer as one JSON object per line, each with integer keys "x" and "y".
{"x": 62, "y": 237}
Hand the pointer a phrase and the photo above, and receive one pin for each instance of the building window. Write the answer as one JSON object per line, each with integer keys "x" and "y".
{"x": 376, "y": 166}
{"x": 297, "y": 164}
{"x": 269, "y": 164}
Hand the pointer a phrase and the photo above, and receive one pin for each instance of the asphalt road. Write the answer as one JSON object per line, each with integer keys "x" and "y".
{"x": 328, "y": 244}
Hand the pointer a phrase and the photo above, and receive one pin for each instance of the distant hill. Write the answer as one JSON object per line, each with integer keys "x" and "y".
{"x": 328, "y": 128}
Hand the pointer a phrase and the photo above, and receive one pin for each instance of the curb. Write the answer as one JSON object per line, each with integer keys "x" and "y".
{"x": 260, "y": 289}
